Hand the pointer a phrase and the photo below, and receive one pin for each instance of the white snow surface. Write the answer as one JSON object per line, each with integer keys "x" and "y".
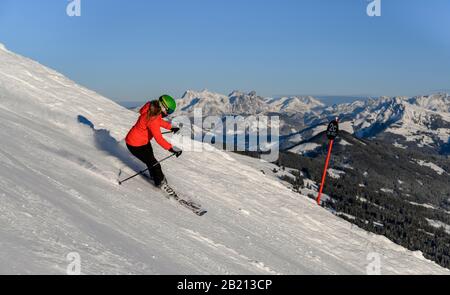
{"x": 438, "y": 224}
{"x": 58, "y": 194}
{"x": 334, "y": 173}
{"x": 3, "y": 47}
{"x": 432, "y": 166}
{"x": 305, "y": 148}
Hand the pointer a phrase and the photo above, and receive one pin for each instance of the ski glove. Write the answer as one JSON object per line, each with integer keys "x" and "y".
{"x": 176, "y": 151}
{"x": 175, "y": 130}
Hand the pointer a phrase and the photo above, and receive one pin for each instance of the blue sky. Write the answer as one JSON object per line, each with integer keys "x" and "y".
{"x": 137, "y": 49}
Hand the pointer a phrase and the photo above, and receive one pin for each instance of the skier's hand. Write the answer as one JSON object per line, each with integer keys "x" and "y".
{"x": 177, "y": 129}
{"x": 176, "y": 151}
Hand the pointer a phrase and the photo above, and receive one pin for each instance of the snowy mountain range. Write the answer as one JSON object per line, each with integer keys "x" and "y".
{"x": 243, "y": 103}
{"x": 293, "y": 110}
{"x": 422, "y": 121}
{"x": 61, "y": 153}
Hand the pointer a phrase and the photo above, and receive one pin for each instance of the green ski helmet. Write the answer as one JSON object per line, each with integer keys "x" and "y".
{"x": 168, "y": 104}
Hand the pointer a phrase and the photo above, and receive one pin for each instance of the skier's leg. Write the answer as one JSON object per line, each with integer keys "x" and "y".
{"x": 139, "y": 152}
{"x": 145, "y": 155}
{"x": 155, "y": 170}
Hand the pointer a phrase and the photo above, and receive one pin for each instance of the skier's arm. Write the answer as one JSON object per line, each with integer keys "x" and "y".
{"x": 166, "y": 125}
{"x": 156, "y": 131}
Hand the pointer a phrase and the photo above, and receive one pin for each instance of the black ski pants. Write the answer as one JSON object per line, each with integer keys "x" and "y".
{"x": 145, "y": 154}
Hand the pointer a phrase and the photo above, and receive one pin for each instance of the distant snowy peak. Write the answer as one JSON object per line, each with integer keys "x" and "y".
{"x": 436, "y": 102}
{"x": 247, "y": 103}
{"x": 218, "y": 104}
{"x": 392, "y": 109}
{"x": 362, "y": 107}
{"x": 295, "y": 104}
{"x": 204, "y": 94}
{"x": 209, "y": 102}
{"x": 241, "y": 103}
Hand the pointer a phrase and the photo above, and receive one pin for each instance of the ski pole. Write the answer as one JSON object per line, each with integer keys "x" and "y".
{"x": 143, "y": 171}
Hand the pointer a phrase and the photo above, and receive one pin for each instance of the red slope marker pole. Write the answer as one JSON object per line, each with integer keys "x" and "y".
{"x": 324, "y": 176}
{"x": 332, "y": 133}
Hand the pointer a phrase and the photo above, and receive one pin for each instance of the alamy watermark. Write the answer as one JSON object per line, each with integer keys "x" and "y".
{"x": 256, "y": 133}
{"x": 374, "y": 8}
{"x": 374, "y": 266}
{"x": 74, "y": 266}
{"x": 73, "y": 8}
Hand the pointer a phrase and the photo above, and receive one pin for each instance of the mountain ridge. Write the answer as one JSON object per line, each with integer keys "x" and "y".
{"x": 415, "y": 122}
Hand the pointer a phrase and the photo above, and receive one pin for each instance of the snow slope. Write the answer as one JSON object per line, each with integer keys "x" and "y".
{"x": 58, "y": 194}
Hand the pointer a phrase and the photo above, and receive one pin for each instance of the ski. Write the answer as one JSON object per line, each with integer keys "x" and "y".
{"x": 194, "y": 207}
{"x": 171, "y": 194}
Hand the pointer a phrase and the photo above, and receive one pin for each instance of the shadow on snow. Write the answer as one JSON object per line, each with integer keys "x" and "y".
{"x": 107, "y": 143}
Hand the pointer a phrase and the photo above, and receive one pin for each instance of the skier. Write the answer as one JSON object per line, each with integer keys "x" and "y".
{"x": 148, "y": 127}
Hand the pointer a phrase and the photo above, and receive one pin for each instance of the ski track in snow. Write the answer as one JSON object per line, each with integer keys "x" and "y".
{"x": 59, "y": 194}
{"x": 230, "y": 253}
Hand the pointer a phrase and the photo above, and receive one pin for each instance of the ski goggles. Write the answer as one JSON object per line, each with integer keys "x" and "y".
{"x": 164, "y": 108}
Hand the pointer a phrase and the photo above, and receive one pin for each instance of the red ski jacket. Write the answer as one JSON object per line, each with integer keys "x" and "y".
{"x": 146, "y": 129}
